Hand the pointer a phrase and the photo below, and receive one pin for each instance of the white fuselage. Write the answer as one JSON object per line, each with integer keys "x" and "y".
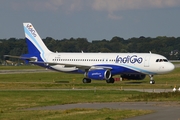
{"x": 146, "y": 63}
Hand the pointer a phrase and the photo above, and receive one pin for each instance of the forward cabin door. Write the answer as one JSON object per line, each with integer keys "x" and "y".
{"x": 146, "y": 61}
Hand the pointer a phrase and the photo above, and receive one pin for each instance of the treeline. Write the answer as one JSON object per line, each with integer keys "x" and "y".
{"x": 167, "y": 46}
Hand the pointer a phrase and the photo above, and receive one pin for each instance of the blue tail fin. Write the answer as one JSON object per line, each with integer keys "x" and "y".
{"x": 36, "y": 47}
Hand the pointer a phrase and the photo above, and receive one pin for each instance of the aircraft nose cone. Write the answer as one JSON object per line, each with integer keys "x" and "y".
{"x": 171, "y": 67}
{"x": 167, "y": 68}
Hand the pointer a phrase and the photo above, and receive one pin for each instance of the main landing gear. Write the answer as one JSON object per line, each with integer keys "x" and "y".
{"x": 86, "y": 80}
{"x": 151, "y": 79}
{"x": 111, "y": 80}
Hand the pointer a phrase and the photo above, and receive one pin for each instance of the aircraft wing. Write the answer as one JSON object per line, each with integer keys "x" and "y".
{"x": 82, "y": 66}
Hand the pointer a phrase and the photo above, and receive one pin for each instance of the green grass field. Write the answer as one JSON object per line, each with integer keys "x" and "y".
{"x": 21, "y": 91}
{"x": 54, "y": 80}
{"x": 14, "y": 103}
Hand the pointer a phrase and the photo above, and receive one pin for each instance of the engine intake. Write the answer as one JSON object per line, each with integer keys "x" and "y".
{"x": 99, "y": 74}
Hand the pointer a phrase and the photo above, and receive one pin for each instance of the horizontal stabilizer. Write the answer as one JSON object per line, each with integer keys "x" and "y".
{"x": 20, "y": 57}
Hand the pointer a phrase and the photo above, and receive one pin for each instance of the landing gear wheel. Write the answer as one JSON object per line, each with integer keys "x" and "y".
{"x": 151, "y": 79}
{"x": 152, "y": 82}
{"x": 111, "y": 80}
{"x": 86, "y": 80}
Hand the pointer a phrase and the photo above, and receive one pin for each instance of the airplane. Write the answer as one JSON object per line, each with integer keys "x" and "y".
{"x": 96, "y": 66}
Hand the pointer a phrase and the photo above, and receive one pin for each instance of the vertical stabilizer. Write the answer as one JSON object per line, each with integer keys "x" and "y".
{"x": 36, "y": 46}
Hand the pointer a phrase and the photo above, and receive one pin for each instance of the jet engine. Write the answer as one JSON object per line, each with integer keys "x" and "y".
{"x": 99, "y": 74}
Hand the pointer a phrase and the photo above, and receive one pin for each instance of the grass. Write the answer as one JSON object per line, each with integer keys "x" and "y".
{"x": 27, "y": 90}
{"x": 71, "y": 114}
{"x": 163, "y": 96}
{"x": 21, "y": 99}
{"x": 13, "y": 104}
{"x": 56, "y": 80}
{"x": 2, "y": 67}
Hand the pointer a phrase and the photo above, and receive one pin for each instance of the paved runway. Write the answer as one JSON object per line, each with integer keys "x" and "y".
{"x": 163, "y": 110}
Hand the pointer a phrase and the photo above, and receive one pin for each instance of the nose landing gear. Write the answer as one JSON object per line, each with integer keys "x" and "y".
{"x": 151, "y": 79}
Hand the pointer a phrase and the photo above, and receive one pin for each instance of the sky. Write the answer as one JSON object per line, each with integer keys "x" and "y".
{"x": 91, "y": 19}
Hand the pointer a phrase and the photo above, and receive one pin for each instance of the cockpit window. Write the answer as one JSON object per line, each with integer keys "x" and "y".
{"x": 165, "y": 60}
{"x": 161, "y": 60}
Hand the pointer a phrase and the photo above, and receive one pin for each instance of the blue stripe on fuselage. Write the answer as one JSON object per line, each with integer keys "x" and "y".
{"x": 125, "y": 69}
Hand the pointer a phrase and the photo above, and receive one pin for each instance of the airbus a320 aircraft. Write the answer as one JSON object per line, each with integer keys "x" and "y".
{"x": 96, "y": 66}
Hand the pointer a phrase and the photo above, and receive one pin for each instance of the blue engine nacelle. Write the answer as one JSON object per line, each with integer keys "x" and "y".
{"x": 99, "y": 74}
